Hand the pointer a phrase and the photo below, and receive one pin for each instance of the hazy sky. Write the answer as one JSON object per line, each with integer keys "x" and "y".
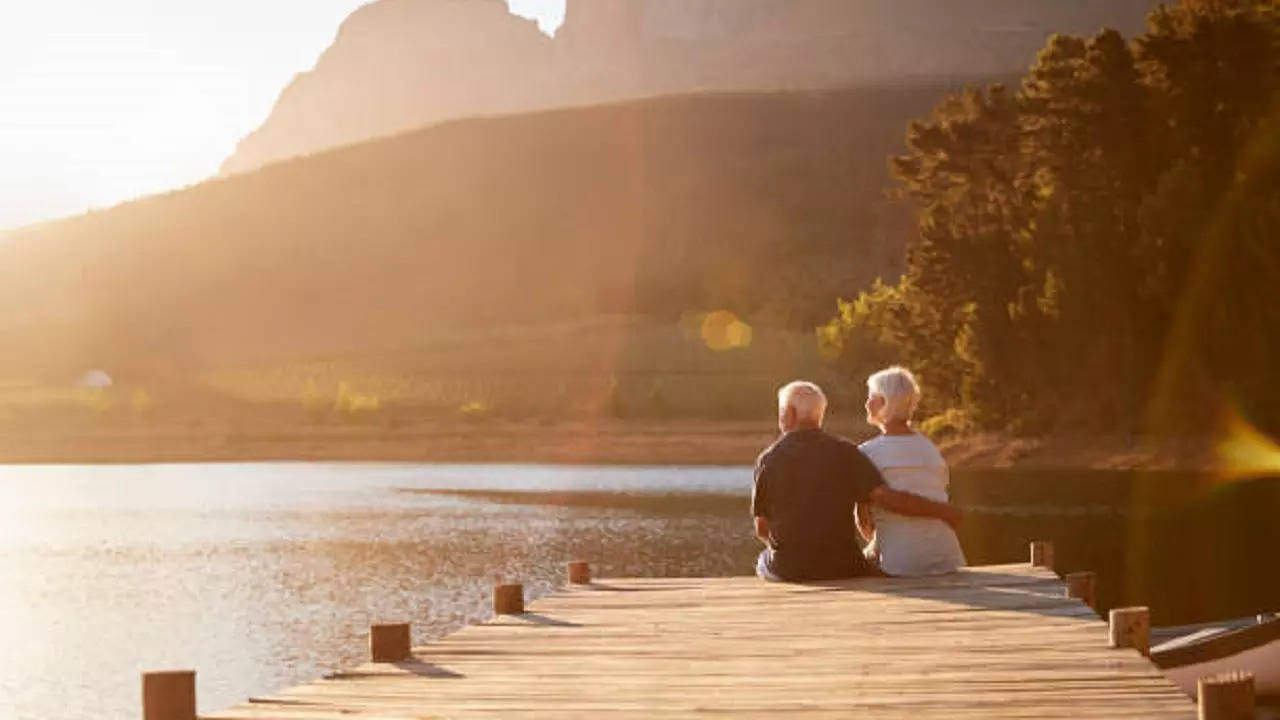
{"x": 104, "y": 100}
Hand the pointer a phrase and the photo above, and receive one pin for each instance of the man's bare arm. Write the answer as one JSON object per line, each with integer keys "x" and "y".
{"x": 905, "y": 503}
{"x": 762, "y": 529}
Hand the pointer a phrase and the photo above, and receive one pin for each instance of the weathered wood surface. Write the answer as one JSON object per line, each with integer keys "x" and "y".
{"x": 994, "y": 642}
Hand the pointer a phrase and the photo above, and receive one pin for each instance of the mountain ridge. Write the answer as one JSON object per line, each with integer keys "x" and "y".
{"x": 400, "y": 64}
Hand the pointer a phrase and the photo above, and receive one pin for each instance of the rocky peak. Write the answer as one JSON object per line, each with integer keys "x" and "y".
{"x": 400, "y": 64}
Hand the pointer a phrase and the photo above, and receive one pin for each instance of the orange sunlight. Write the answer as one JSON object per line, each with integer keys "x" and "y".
{"x": 104, "y": 102}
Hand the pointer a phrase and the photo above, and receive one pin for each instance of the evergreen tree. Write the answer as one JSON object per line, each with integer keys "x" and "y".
{"x": 1102, "y": 244}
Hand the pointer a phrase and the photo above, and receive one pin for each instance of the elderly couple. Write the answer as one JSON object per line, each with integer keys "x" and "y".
{"x": 815, "y": 493}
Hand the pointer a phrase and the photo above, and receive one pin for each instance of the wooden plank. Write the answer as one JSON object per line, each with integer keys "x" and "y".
{"x": 994, "y": 642}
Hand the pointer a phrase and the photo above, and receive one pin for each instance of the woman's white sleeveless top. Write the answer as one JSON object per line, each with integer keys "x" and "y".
{"x": 912, "y": 545}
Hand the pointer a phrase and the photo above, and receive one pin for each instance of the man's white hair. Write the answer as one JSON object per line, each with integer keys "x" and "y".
{"x": 805, "y": 399}
{"x": 900, "y": 391}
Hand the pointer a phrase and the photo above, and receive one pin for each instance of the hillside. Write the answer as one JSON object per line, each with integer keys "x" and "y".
{"x": 400, "y": 64}
{"x": 768, "y": 205}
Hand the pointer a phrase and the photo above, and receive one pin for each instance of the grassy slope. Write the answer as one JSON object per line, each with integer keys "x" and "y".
{"x": 767, "y": 204}
{"x": 620, "y": 367}
{"x": 609, "y": 389}
{"x": 605, "y": 368}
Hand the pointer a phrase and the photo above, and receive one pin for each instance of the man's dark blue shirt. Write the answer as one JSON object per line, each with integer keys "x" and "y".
{"x": 806, "y": 485}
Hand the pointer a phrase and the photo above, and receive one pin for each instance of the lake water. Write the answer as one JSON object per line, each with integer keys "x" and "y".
{"x": 263, "y": 575}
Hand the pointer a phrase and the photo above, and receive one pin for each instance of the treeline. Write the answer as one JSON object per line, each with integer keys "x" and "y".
{"x": 1099, "y": 247}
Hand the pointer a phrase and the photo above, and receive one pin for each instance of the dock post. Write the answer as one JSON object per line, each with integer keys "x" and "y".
{"x": 1131, "y": 628}
{"x": 389, "y": 643}
{"x": 579, "y": 572}
{"x": 508, "y": 599}
{"x": 1229, "y": 696}
{"x": 169, "y": 695}
{"x": 1084, "y": 586}
{"x": 1042, "y": 554}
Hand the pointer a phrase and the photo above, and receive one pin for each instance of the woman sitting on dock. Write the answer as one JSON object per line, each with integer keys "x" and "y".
{"x": 909, "y": 462}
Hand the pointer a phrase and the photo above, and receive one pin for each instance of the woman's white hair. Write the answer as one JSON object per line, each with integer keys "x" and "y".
{"x": 900, "y": 391}
{"x": 805, "y": 398}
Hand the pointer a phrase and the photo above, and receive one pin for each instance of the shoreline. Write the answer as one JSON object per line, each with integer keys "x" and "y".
{"x": 637, "y": 443}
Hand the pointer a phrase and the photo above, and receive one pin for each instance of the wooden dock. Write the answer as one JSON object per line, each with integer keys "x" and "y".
{"x": 990, "y": 642}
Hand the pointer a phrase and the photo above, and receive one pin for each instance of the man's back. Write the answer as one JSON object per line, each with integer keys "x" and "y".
{"x": 807, "y": 484}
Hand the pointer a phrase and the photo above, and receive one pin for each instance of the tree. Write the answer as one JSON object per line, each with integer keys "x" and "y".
{"x": 1102, "y": 239}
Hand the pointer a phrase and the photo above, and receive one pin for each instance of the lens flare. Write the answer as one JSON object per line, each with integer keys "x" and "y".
{"x": 722, "y": 331}
{"x": 1245, "y": 451}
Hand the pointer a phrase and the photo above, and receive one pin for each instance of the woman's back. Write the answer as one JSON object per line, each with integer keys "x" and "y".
{"x": 907, "y": 545}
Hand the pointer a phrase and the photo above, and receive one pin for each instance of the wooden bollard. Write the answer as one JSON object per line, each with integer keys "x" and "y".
{"x": 579, "y": 573}
{"x": 1229, "y": 696}
{"x": 1084, "y": 586}
{"x": 1042, "y": 554}
{"x": 169, "y": 695}
{"x": 508, "y": 599}
{"x": 1131, "y": 628}
{"x": 389, "y": 643}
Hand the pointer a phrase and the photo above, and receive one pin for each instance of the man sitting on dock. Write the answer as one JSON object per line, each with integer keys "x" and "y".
{"x": 807, "y": 485}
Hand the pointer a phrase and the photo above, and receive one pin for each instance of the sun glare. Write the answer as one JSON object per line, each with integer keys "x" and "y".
{"x": 103, "y": 102}
{"x": 1245, "y": 451}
